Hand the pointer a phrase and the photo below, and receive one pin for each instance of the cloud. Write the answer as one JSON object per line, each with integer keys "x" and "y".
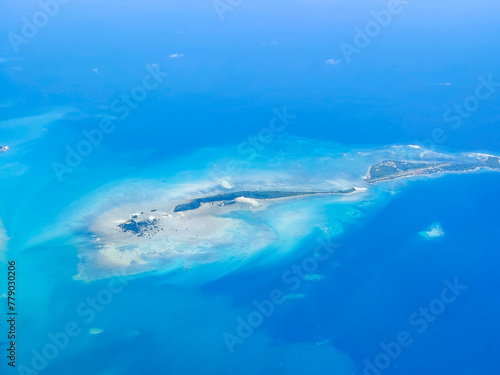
{"x": 332, "y": 62}
{"x": 176, "y": 55}
{"x": 95, "y": 70}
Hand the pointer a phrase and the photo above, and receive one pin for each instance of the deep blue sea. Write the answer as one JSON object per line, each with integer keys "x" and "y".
{"x": 225, "y": 81}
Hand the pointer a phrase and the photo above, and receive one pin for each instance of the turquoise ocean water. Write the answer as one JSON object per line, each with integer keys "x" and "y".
{"x": 223, "y": 89}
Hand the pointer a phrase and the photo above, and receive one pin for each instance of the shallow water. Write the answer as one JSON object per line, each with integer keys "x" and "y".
{"x": 185, "y": 317}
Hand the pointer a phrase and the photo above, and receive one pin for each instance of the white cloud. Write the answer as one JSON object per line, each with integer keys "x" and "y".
{"x": 176, "y": 55}
{"x": 227, "y": 182}
{"x": 95, "y": 70}
{"x": 332, "y": 62}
